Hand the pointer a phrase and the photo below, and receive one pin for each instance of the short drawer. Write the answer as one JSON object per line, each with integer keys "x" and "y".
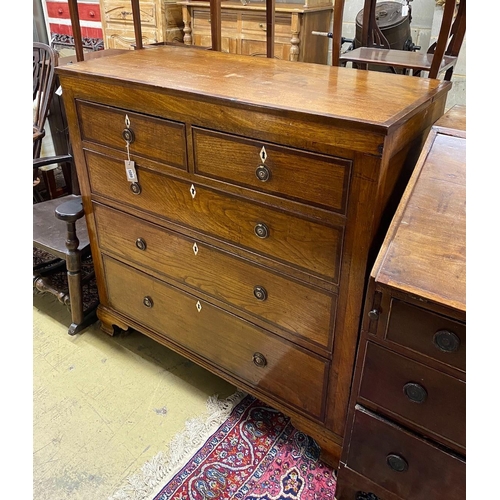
{"x": 201, "y": 20}
{"x": 300, "y": 310}
{"x": 298, "y": 175}
{"x": 257, "y": 22}
{"x": 228, "y": 342}
{"x": 431, "y": 334}
{"x": 152, "y": 137}
{"x": 401, "y": 462}
{"x": 421, "y": 395}
{"x": 121, "y": 13}
{"x": 300, "y": 242}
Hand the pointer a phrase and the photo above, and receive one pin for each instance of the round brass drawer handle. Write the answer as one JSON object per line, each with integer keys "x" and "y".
{"x": 135, "y": 188}
{"x": 260, "y": 293}
{"x": 128, "y": 135}
{"x": 397, "y": 462}
{"x": 261, "y": 230}
{"x": 259, "y": 360}
{"x": 262, "y": 173}
{"x": 446, "y": 341}
{"x": 140, "y": 244}
{"x": 415, "y": 392}
{"x": 148, "y": 301}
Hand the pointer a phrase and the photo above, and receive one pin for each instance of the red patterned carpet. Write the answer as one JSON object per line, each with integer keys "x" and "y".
{"x": 255, "y": 455}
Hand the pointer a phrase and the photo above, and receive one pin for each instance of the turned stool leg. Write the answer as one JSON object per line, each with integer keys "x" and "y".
{"x": 70, "y": 212}
{"x": 74, "y": 268}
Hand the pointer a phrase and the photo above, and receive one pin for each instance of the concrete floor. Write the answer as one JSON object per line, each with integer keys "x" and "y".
{"x": 103, "y": 406}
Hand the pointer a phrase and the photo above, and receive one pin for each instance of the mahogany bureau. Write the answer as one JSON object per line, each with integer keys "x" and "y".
{"x": 243, "y": 238}
{"x": 405, "y": 437}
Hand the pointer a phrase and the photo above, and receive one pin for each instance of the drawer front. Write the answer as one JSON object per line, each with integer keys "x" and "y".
{"x": 436, "y": 336}
{"x": 232, "y": 344}
{"x": 125, "y": 39}
{"x": 258, "y": 48}
{"x": 121, "y": 13}
{"x": 294, "y": 240}
{"x": 403, "y": 463}
{"x": 201, "y": 20}
{"x": 298, "y": 309}
{"x": 257, "y": 22}
{"x": 316, "y": 179}
{"x": 153, "y": 138}
{"x": 428, "y": 398}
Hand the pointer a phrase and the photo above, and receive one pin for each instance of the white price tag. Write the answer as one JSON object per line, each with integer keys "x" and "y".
{"x": 404, "y": 10}
{"x": 130, "y": 170}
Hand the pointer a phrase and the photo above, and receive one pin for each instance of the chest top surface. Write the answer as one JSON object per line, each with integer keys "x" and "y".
{"x": 425, "y": 250}
{"x": 367, "y": 99}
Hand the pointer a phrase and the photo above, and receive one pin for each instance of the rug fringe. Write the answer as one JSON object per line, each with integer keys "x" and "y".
{"x": 164, "y": 465}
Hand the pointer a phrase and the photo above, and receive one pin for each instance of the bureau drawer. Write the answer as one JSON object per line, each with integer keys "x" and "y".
{"x": 300, "y": 242}
{"x": 426, "y": 397}
{"x": 201, "y": 20}
{"x": 403, "y": 463}
{"x": 231, "y": 344}
{"x": 153, "y": 138}
{"x": 298, "y": 309}
{"x": 298, "y": 175}
{"x": 431, "y": 334}
{"x": 257, "y": 22}
{"x": 121, "y": 13}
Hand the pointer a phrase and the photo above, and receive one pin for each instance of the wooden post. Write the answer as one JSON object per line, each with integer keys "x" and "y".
{"x": 136, "y": 14}
{"x": 75, "y": 25}
{"x": 215, "y": 24}
{"x": 270, "y": 6}
{"x": 338, "y": 17}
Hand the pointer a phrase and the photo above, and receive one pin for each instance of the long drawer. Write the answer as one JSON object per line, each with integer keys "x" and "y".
{"x": 149, "y": 136}
{"x": 403, "y": 463}
{"x": 426, "y": 397}
{"x": 423, "y": 331}
{"x": 298, "y": 175}
{"x": 300, "y": 310}
{"x": 237, "y": 347}
{"x": 303, "y": 243}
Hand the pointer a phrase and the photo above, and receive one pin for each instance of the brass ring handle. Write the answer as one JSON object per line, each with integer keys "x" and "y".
{"x": 260, "y": 293}
{"x": 259, "y": 360}
{"x": 140, "y": 244}
{"x": 148, "y": 301}
{"x": 261, "y": 230}
{"x": 262, "y": 173}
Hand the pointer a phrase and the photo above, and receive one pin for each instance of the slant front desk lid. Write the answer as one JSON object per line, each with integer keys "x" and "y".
{"x": 370, "y": 99}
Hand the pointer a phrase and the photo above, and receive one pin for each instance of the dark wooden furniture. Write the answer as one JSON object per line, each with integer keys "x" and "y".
{"x": 441, "y": 57}
{"x": 59, "y": 229}
{"x": 243, "y": 238}
{"x": 244, "y": 28}
{"x": 405, "y": 436}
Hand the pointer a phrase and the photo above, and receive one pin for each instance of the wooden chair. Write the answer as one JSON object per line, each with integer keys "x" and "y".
{"x": 44, "y": 63}
{"x": 440, "y": 57}
{"x": 59, "y": 227}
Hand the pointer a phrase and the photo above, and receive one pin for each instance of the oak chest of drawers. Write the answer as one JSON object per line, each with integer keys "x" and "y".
{"x": 244, "y": 240}
{"x": 243, "y": 28}
{"x": 405, "y": 437}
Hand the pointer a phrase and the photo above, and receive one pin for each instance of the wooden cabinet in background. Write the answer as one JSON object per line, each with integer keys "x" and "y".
{"x": 405, "y": 435}
{"x": 245, "y": 240}
{"x": 161, "y": 21}
{"x": 243, "y": 28}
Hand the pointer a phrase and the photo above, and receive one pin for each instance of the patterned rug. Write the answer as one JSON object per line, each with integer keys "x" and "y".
{"x": 256, "y": 454}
